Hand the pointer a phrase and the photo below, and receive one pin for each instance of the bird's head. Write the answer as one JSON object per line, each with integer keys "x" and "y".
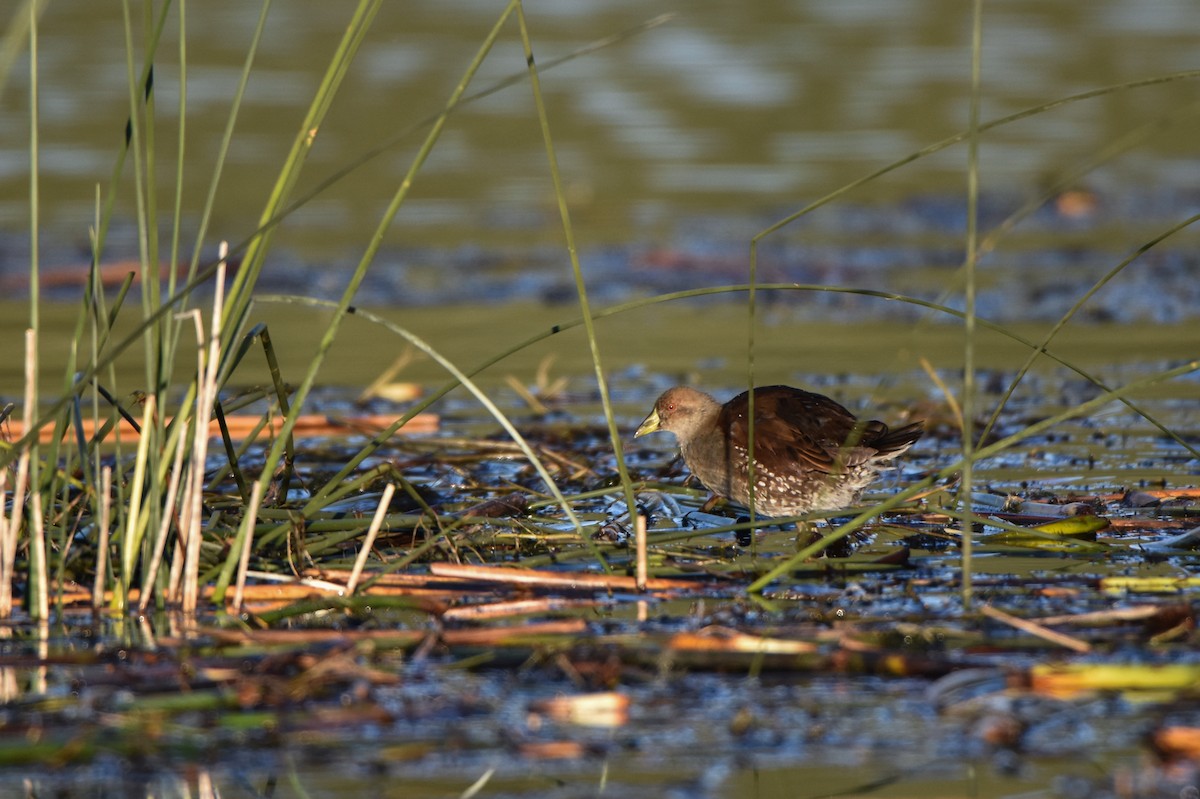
{"x": 680, "y": 410}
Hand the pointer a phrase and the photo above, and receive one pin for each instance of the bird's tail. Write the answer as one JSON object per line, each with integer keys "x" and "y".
{"x": 893, "y": 442}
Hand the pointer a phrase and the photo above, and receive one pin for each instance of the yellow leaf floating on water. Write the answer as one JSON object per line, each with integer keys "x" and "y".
{"x": 1075, "y": 678}
{"x": 1085, "y": 526}
{"x": 1148, "y": 585}
{"x": 1060, "y": 535}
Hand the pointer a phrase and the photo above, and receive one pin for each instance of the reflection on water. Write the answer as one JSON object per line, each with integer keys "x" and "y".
{"x": 724, "y": 110}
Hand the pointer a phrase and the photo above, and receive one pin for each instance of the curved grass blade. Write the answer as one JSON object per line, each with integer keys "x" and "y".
{"x": 978, "y": 455}
{"x": 464, "y": 380}
{"x": 614, "y": 434}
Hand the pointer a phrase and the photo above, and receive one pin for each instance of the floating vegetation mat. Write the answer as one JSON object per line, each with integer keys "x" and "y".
{"x": 487, "y": 642}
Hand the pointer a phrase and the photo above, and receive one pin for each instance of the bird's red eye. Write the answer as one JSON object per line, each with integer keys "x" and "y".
{"x": 670, "y": 406}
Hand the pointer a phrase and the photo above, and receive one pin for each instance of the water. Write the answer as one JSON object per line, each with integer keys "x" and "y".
{"x": 902, "y": 692}
{"x": 721, "y": 112}
{"x": 676, "y": 146}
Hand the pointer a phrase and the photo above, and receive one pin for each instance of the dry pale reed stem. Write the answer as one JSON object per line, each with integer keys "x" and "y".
{"x": 8, "y": 555}
{"x": 37, "y": 545}
{"x": 204, "y": 786}
{"x": 248, "y": 522}
{"x": 18, "y": 499}
{"x": 1041, "y": 631}
{"x": 37, "y": 540}
{"x": 102, "y": 534}
{"x": 168, "y": 517}
{"x": 12, "y": 528}
{"x": 951, "y": 400}
{"x": 189, "y": 526}
{"x": 38, "y": 679}
{"x": 372, "y": 532}
{"x": 643, "y": 568}
{"x": 206, "y": 395}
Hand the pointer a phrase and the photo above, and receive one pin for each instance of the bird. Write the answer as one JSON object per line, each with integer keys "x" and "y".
{"x": 809, "y": 452}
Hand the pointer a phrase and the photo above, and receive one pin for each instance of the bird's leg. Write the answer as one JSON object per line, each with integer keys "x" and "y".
{"x": 710, "y": 503}
{"x": 806, "y": 534}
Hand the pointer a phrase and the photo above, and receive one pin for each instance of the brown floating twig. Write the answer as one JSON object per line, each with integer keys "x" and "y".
{"x": 309, "y": 636}
{"x": 1113, "y": 616}
{"x": 572, "y": 580}
{"x": 241, "y": 427}
{"x": 337, "y": 578}
{"x": 494, "y": 610}
{"x": 485, "y": 636}
{"x": 1045, "y": 633}
{"x": 497, "y": 636}
{"x": 723, "y": 639}
{"x": 73, "y": 595}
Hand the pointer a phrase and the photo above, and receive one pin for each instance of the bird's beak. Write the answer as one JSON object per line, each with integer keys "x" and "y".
{"x": 649, "y": 425}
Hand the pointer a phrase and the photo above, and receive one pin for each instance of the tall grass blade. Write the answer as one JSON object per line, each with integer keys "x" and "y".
{"x": 978, "y": 454}
{"x": 102, "y": 539}
{"x": 958, "y": 138}
{"x": 34, "y": 167}
{"x": 564, "y": 212}
{"x": 218, "y": 165}
{"x": 38, "y": 572}
{"x": 1069, "y": 178}
{"x": 16, "y": 32}
{"x": 252, "y": 264}
{"x": 1074, "y": 309}
{"x": 180, "y": 160}
{"x": 135, "y": 521}
{"x": 460, "y": 379}
{"x": 243, "y": 545}
{"x": 169, "y": 516}
{"x": 967, "y": 482}
{"x": 389, "y": 215}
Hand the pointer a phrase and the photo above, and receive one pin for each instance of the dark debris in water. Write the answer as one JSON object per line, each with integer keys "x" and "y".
{"x": 913, "y": 247}
{"x": 485, "y": 636}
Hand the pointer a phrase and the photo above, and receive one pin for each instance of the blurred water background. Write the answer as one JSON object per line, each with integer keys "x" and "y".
{"x": 677, "y": 145}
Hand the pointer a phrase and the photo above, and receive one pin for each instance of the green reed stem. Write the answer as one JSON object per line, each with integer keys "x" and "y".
{"x": 180, "y": 150}
{"x": 751, "y": 314}
{"x": 977, "y": 455}
{"x": 614, "y": 433}
{"x": 972, "y": 258}
{"x": 256, "y": 248}
{"x": 16, "y": 33}
{"x": 8, "y": 456}
{"x": 360, "y": 271}
{"x": 983, "y": 128}
{"x": 219, "y": 162}
{"x": 321, "y": 495}
{"x": 1074, "y": 309}
{"x": 463, "y": 379}
{"x": 38, "y": 568}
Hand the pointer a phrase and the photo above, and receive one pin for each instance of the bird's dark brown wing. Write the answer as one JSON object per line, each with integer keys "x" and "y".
{"x": 795, "y": 428}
